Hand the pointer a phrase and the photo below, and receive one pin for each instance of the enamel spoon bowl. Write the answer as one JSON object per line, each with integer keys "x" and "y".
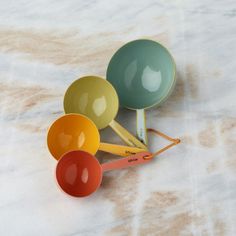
{"x": 143, "y": 74}
{"x": 79, "y": 173}
{"x": 96, "y": 98}
{"x": 77, "y": 132}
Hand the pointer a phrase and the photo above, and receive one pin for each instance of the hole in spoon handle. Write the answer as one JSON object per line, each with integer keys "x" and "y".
{"x": 136, "y": 159}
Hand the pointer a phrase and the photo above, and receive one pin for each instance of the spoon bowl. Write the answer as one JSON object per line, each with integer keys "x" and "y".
{"x": 79, "y": 173}
{"x": 78, "y": 132}
{"x": 143, "y": 74}
{"x": 96, "y": 98}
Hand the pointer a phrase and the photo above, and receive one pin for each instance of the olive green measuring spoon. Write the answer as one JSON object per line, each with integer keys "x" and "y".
{"x": 96, "y": 98}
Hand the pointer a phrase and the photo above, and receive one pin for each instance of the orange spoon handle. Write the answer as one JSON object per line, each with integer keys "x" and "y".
{"x": 132, "y": 160}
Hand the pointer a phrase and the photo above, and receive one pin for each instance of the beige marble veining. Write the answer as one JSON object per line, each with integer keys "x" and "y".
{"x": 188, "y": 190}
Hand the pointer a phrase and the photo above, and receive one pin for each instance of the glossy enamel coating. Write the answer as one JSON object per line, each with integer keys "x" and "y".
{"x": 79, "y": 173}
{"x": 72, "y": 132}
{"x": 94, "y": 97}
{"x": 143, "y": 74}
{"x": 78, "y": 132}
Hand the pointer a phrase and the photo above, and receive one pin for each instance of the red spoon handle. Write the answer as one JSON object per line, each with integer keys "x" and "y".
{"x": 132, "y": 160}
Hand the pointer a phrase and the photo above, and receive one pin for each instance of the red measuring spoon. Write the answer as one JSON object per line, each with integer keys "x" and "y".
{"x": 79, "y": 173}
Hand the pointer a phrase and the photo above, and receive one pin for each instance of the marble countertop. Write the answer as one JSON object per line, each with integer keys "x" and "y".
{"x": 188, "y": 190}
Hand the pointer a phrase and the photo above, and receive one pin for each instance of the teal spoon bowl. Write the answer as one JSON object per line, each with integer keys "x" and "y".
{"x": 143, "y": 74}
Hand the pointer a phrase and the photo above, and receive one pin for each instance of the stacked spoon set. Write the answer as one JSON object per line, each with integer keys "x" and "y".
{"x": 141, "y": 74}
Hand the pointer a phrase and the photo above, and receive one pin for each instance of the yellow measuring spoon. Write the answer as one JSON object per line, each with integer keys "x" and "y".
{"x": 77, "y": 132}
{"x": 97, "y": 99}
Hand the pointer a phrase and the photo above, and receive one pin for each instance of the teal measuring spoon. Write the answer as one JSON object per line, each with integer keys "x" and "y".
{"x": 143, "y": 74}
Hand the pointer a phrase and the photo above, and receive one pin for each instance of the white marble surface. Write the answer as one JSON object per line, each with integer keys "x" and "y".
{"x": 188, "y": 190}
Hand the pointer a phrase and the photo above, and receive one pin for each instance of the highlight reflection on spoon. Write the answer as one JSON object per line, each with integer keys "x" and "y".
{"x": 143, "y": 74}
{"x": 98, "y": 101}
{"x": 78, "y": 132}
{"x": 79, "y": 173}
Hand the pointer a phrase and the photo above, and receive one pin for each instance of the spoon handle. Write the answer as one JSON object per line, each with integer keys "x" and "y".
{"x": 141, "y": 126}
{"x": 119, "y": 150}
{"x": 132, "y": 160}
{"x": 126, "y": 135}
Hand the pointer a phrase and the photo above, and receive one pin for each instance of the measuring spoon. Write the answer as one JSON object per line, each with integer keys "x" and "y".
{"x": 97, "y": 99}
{"x": 79, "y": 173}
{"x": 143, "y": 74}
{"x": 78, "y": 132}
